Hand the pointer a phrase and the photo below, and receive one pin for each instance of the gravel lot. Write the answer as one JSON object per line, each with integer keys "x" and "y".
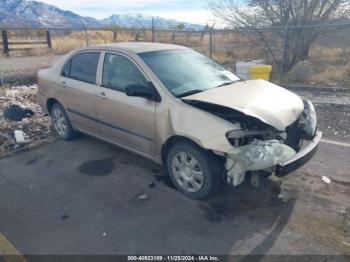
{"x": 23, "y": 70}
{"x": 333, "y": 111}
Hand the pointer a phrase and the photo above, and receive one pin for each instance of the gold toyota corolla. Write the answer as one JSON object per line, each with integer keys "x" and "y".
{"x": 181, "y": 109}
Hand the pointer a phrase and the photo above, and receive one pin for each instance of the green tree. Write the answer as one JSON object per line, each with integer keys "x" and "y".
{"x": 180, "y": 26}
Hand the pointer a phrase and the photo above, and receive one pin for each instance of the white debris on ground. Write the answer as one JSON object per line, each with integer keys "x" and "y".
{"x": 30, "y": 130}
{"x": 326, "y": 180}
{"x": 143, "y": 197}
{"x": 20, "y": 137}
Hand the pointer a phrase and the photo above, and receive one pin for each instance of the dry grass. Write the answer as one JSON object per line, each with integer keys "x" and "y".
{"x": 333, "y": 54}
{"x": 330, "y": 64}
{"x": 301, "y": 72}
{"x": 64, "y": 44}
{"x": 332, "y": 74}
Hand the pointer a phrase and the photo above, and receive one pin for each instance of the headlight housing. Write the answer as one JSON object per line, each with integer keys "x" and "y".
{"x": 241, "y": 137}
{"x": 308, "y": 121}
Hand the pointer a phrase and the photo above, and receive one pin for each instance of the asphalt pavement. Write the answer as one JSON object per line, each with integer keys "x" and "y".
{"x": 89, "y": 197}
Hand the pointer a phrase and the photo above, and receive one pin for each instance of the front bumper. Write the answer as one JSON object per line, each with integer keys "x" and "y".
{"x": 300, "y": 158}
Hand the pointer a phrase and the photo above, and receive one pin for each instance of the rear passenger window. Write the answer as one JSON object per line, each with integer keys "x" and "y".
{"x": 83, "y": 67}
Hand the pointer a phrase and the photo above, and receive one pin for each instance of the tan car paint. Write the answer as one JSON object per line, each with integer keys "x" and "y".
{"x": 268, "y": 102}
{"x": 156, "y": 121}
{"x": 142, "y": 118}
{"x": 132, "y": 114}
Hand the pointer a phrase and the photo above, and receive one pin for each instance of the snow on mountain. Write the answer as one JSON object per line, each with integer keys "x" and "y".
{"x": 139, "y": 21}
{"x": 33, "y": 13}
{"x": 20, "y": 13}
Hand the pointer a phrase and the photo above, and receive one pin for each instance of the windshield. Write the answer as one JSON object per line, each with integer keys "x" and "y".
{"x": 186, "y": 72}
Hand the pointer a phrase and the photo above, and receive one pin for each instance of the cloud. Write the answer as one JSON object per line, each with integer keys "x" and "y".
{"x": 182, "y": 10}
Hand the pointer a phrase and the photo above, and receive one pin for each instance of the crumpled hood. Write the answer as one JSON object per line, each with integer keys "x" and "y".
{"x": 261, "y": 99}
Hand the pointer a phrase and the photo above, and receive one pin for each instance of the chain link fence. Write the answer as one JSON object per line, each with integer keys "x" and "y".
{"x": 328, "y": 57}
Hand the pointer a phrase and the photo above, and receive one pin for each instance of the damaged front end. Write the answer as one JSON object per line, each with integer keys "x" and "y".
{"x": 255, "y": 156}
{"x": 271, "y": 123}
{"x": 271, "y": 151}
{"x": 258, "y": 147}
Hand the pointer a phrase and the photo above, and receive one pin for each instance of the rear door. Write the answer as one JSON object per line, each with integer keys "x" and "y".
{"x": 127, "y": 121}
{"x": 79, "y": 85}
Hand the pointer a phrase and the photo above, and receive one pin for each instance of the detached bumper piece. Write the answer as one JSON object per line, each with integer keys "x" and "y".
{"x": 300, "y": 158}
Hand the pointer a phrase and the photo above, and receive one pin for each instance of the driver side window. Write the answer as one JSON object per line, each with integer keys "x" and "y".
{"x": 120, "y": 72}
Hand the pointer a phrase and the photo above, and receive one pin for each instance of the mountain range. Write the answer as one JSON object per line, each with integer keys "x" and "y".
{"x": 23, "y": 13}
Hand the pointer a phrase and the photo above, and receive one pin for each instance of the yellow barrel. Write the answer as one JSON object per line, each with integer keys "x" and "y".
{"x": 260, "y": 72}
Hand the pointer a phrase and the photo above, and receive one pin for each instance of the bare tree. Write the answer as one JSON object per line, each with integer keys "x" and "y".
{"x": 297, "y": 22}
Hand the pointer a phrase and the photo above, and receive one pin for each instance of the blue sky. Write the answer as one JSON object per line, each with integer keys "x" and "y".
{"x": 195, "y": 11}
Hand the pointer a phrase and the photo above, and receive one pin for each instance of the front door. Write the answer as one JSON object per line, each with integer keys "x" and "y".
{"x": 127, "y": 121}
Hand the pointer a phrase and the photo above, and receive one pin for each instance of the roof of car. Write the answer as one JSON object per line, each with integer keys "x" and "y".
{"x": 140, "y": 47}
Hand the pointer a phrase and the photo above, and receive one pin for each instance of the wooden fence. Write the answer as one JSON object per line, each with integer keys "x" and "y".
{"x": 6, "y": 43}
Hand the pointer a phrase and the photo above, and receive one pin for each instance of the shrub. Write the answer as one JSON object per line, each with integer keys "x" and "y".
{"x": 332, "y": 74}
{"x": 301, "y": 72}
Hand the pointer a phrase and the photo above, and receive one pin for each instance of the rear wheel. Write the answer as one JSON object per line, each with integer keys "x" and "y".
{"x": 61, "y": 122}
{"x": 194, "y": 172}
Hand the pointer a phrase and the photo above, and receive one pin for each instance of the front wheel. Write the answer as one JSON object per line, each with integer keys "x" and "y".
{"x": 195, "y": 172}
{"x": 61, "y": 122}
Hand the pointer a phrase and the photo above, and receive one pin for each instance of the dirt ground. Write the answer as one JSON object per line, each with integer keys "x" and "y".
{"x": 333, "y": 110}
{"x": 23, "y": 70}
{"x": 37, "y": 129}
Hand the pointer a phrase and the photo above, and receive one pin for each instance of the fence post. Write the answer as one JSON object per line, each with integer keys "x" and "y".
{"x": 5, "y": 43}
{"x": 115, "y": 36}
{"x": 48, "y": 39}
{"x": 86, "y": 37}
{"x": 210, "y": 42}
{"x": 285, "y": 46}
{"x": 144, "y": 34}
{"x": 153, "y": 36}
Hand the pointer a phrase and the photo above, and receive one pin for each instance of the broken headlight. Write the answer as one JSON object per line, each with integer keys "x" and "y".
{"x": 308, "y": 121}
{"x": 242, "y": 137}
{"x": 257, "y": 155}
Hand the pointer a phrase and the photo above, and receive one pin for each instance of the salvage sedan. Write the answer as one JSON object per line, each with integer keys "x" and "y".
{"x": 180, "y": 109}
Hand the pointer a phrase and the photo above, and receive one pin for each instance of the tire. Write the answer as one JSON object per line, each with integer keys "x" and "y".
{"x": 61, "y": 123}
{"x": 195, "y": 181}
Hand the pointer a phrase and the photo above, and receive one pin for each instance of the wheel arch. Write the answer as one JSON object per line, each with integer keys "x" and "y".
{"x": 172, "y": 141}
{"x": 49, "y": 104}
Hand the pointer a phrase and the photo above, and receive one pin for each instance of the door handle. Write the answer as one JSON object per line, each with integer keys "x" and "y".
{"x": 102, "y": 95}
{"x": 64, "y": 84}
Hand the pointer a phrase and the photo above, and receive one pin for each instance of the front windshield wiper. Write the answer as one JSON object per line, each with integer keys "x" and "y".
{"x": 188, "y": 93}
{"x": 228, "y": 83}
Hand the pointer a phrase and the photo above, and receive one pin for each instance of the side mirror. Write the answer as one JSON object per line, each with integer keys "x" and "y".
{"x": 139, "y": 90}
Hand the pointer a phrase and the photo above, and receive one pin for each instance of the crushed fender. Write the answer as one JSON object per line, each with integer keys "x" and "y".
{"x": 257, "y": 155}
